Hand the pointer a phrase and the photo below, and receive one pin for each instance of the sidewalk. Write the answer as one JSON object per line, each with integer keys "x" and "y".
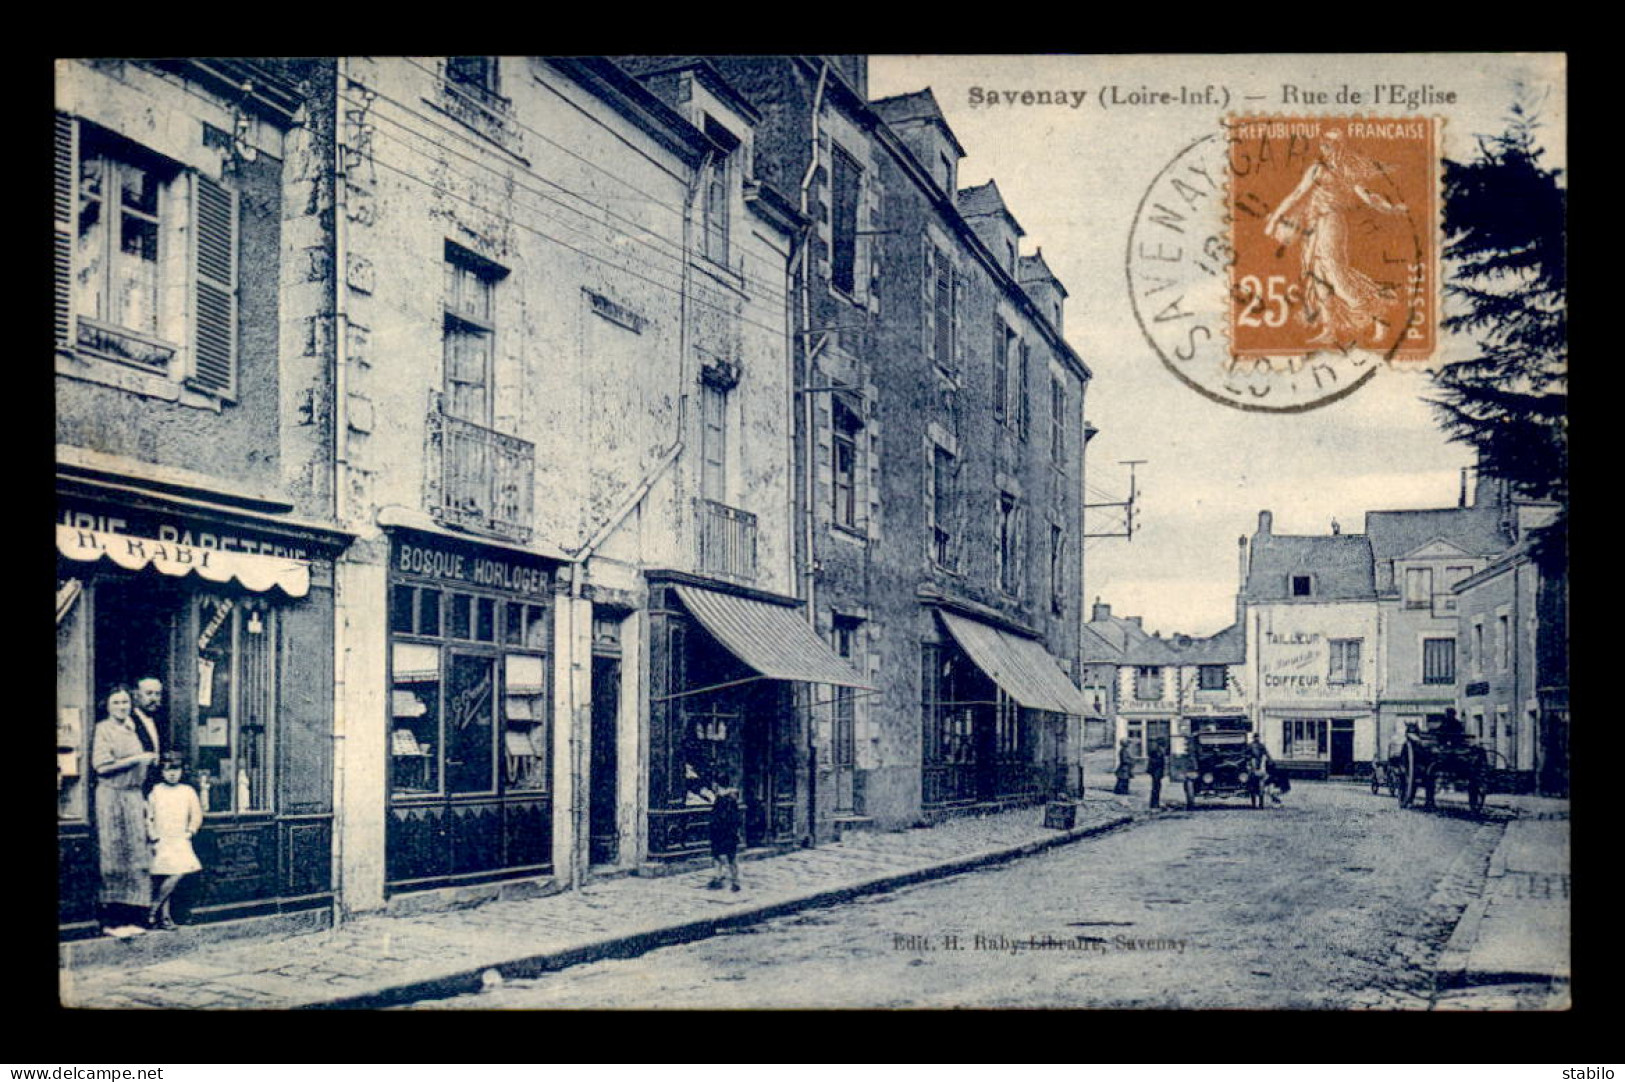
{"x": 377, "y": 960}
{"x": 1511, "y": 949}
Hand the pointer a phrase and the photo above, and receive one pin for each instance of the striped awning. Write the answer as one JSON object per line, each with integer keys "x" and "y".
{"x": 772, "y": 639}
{"x": 254, "y": 571}
{"x": 1022, "y": 667}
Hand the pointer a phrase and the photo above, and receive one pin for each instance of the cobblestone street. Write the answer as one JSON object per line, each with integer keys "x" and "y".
{"x": 1336, "y": 900}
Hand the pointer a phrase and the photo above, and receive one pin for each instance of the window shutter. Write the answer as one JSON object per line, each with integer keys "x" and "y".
{"x": 959, "y": 322}
{"x": 214, "y": 283}
{"x": 928, "y": 300}
{"x": 66, "y": 183}
{"x": 1022, "y": 408}
{"x": 875, "y": 246}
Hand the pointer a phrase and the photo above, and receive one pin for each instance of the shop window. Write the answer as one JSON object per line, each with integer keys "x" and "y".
{"x": 452, "y": 730}
{"x": 525, "y": 625}
{"x": 711, "y": 743}
{"x": 75, "y": 716}
{"x": 1136, "y": 738}
{"x": 235, "y": 702}
{"x": 1303, "y": 738}
{"x": 415, "y": 714}
{"x": 524, "y": 718}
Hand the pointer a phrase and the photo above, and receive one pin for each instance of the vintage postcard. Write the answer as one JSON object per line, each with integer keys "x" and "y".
{"x": 812, "y": 531}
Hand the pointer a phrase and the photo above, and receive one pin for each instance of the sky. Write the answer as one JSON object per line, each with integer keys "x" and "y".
{"x": 1074, "y": 178}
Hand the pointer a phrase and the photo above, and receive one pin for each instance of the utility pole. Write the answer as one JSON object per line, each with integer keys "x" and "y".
{"x": 1127, "y": 505}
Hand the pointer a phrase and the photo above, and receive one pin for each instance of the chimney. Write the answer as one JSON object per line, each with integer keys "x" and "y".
{"x": 1265, "y": 521}
{"x": 1337, "y": 528}
{"x": 1135, "y": 620}
{"x": 1102, "y": 613}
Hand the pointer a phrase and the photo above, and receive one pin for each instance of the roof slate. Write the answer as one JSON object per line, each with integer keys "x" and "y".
{"x": 1340, "y": 563}
{"x": 985, "y": 199}
{"x": 1394, "y": 534}
{"x": 1119, "y": 641}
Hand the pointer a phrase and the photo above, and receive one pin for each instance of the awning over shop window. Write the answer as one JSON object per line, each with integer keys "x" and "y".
{"x": 254, "y": 571}
{"x": 772, "y": 639}
{"x": 1022, "y": 667}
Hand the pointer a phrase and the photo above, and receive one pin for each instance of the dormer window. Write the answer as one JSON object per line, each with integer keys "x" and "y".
{"x": 1302, "y": 585}
{"x": 718, "y": 188}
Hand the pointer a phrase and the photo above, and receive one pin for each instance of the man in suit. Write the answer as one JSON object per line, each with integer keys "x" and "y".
{"x": 1156, "y": 765}
{"x": 149, "y": 702}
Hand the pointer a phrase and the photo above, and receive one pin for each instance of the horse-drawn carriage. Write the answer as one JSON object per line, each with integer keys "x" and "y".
{"x": 1425, "y": 761}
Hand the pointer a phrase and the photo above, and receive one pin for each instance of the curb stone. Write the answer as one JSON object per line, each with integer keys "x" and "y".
{"x": 633, "y": 944}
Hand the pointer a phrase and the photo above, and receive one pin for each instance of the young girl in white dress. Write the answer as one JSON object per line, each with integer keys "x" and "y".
{"x": 174, "y": 814}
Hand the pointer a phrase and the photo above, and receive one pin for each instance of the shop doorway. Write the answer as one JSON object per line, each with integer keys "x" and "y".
{"x": 134, "y": 635}
{"x": 1342, "y": 746}
{"x": 603, "y": 837}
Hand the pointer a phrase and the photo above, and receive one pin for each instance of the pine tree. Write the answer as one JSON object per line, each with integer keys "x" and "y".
{"x": 1504, "y": 238}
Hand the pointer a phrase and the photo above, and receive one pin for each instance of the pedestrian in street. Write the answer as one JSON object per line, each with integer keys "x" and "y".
{"x": 1156, "y": 765}
{"x": 174, "y": 815}
{"x": 120, "y": 763}
{"x": 1125, "y": 767}
{"x": 1259, "y": 766}
{"x": 726, "y": 826}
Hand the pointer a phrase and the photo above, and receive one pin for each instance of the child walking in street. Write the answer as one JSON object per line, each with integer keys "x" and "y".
{"x": 174, "y": 814}
{"x": 726, "y": 822}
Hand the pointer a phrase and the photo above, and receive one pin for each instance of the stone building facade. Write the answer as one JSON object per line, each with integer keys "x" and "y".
{"x": 939, "y": 469}
{"x": 195, "y": 544}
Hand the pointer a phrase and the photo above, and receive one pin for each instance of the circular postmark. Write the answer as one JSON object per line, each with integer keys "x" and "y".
{"x": 1276, "y": 265}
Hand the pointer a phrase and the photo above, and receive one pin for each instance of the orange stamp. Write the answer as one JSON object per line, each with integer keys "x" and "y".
{"x": 1334, "y": 237}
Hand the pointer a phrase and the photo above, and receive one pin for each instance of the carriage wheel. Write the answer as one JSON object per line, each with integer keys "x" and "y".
{"x": 1190, "y": 793}
{"x": 1407, "y": 778}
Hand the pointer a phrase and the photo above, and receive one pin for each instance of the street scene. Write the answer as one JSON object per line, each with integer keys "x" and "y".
{"x": 812, "y": 531}
{"x": 1335, "y": 901}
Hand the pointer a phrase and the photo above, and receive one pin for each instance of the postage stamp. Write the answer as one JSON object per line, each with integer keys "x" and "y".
{"x": 1278, "y": 263}
{"x": 1334, "y": 230}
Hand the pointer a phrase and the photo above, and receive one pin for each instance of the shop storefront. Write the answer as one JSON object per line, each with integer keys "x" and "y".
{"x": 1318, "y": 745}
{"x": 995, "y": 706}
{"x": 729, "y": 698}
{"x": 231, "y": 612}
{"x": 470, "y": 713}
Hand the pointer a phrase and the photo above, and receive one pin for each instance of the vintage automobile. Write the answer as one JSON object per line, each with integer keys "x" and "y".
{"x": 1214, "y": 764}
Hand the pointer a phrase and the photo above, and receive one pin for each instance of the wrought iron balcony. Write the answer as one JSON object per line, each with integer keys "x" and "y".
{"x": 726, "y": 539}
{"x": 479, "y": 479}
